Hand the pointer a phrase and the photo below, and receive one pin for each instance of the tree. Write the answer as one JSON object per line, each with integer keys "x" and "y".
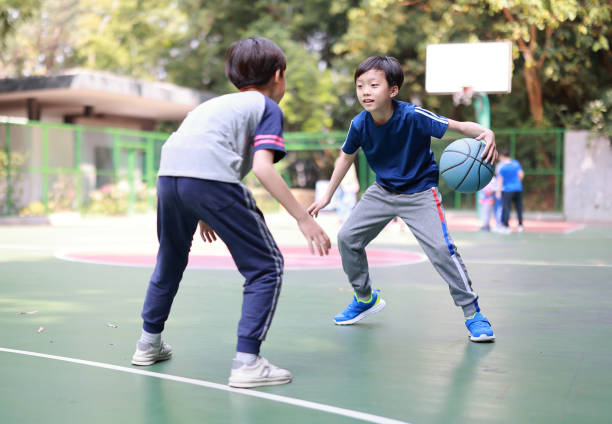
{"x": 540, "y": 30}
{"x": 12, "y": 12}
{"x": 562, "y": 56}
{"x": 198, "y": 59}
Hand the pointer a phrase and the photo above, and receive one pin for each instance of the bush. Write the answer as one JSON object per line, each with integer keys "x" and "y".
{"x": 33, "y": 209}
{"x": 114, "y": 199}
{"x": 9, "y": 194}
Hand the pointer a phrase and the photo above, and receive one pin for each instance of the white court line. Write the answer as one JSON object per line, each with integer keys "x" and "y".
{"x": 13, "y": 247}
{"x": 64, "y": 254}
{"x": 534, "y": 263}
{"x": 577, "y": 228}
{"x": 263, "y": 395}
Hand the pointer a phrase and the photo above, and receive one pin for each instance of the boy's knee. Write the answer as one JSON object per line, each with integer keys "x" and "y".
{"x": 344, "y": 237}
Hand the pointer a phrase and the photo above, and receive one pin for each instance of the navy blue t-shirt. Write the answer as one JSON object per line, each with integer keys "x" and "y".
{"x": 399, "y": 152}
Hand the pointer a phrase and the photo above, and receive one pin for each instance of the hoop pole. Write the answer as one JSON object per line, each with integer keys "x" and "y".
{"x": 483, "y": 117}
{"x": 483, "y": 109}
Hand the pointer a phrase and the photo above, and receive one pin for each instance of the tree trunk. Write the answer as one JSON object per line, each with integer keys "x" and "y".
{"x": 534, "y": 93}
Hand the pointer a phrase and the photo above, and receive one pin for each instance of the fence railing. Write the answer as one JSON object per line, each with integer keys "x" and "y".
{"x": 46, "y": 167}
{"x": 540, "y": 152}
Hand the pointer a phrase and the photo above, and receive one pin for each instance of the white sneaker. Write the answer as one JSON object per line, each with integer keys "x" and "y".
{"x": 261, "y": 373}
{"x": 152, "y": 354}
{"x": 521, "y": 229}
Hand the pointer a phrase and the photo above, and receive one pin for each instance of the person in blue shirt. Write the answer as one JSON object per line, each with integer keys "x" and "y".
{"x": 200, "y": 173}
{"x": 395, "y": 137}
{"x": 510, "y": 176}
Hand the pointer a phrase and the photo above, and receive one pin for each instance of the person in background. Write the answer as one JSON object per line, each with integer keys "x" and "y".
{"x": 346, "y": 194}
{"x": 486, "y": 198}
{"x": 510, "y": 176}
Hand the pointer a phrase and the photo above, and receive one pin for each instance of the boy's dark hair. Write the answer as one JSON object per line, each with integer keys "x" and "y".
{"x": 253, "y": 61}
{"x": 504, "y": 152}
{"x": 389, "y": 65}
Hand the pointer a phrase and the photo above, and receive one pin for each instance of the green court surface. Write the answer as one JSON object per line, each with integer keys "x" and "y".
{"x": 68, "y": 330}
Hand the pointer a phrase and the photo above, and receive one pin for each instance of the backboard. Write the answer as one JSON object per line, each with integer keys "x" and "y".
{"x": 485, "y": 67}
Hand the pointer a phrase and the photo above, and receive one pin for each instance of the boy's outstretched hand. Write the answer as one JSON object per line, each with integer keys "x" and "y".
{"x": 315, "y": 236}
{"x": 207, "y": 233}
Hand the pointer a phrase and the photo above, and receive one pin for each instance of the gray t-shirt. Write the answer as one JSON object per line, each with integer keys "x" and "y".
{"x": 217, "y": 139}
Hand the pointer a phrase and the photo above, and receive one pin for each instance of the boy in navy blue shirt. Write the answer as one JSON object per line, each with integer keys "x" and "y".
{"x": 395, "y": 137}
{"x": 202, "y": 165}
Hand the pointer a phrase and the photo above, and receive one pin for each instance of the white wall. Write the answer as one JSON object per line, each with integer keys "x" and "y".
{"x": 587, "y": 177}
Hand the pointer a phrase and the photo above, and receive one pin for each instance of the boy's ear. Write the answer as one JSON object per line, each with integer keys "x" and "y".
{"x": 278, "y": 75}
{"x": 394, "y": 91}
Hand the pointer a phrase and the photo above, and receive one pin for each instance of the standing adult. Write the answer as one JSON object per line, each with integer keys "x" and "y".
{"x": 510, "y": 189}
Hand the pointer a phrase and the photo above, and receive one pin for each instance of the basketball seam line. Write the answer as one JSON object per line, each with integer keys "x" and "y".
{"x": 454, "y": 166}
{"x": 467, "y": 156}
{"x": 469, "y": 169}
{"x": 479, "y": 164}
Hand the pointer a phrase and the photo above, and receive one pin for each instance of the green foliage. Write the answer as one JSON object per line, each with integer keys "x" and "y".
{"x": 62, "y": 195}
{"x": 33, "y": 209}
{"x": 184, "y": 41}
{"x": 12, "y": 168}
{"x": 596, "y": 117}
{"x": 114, "y": 199}
{"x": 14, "y": 12}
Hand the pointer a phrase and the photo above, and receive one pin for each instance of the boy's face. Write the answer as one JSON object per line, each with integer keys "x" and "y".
{"x": 373, "y": 91}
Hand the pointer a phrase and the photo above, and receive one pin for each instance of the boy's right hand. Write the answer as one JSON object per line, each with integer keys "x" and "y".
{"x": 207, "y": 233}
{"x": 315, "y": 236}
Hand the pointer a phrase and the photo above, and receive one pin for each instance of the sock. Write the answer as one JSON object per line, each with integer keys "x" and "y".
{"x": 470, "y": 310}
{"x": 246, "y": 358}
{"x": 149, "y": 339}
{"x": 470, "y": 317}
{"x": 364, "y": 300}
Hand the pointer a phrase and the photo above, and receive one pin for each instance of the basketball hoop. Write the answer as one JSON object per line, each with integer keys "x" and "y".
{"x": 463, "y": 97}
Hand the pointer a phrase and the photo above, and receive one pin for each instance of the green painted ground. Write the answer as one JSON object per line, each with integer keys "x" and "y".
{"x": 549, "y": 297}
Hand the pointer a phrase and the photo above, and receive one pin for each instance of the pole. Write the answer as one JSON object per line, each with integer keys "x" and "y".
{"x": 482, "y": 108}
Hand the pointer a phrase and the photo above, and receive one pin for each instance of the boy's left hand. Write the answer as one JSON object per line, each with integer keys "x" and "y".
{"x": 490, "y": 152}
{"x": 207, "y": 233}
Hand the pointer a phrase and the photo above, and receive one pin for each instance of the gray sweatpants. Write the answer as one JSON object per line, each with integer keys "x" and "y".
{"x": 423, "y": 214}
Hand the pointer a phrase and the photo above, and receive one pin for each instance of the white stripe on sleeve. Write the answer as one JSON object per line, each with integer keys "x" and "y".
{"x": 430, "y": 115}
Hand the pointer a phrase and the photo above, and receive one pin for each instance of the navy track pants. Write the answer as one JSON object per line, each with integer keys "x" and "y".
{"x": 230, "y": 210}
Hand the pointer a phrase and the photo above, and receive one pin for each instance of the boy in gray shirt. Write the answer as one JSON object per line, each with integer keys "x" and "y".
{"x": 201, "y": 167}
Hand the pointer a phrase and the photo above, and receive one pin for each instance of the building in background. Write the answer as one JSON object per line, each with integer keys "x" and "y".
{"x": 80, "y": 131}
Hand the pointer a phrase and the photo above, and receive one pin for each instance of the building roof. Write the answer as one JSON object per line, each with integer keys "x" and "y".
{"x": 106, "y": 93}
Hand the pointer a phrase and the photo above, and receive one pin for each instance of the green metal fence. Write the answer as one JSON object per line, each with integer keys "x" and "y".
{"x": 47, "y": 167}
{"x": 540, "y": 152}
{"x": 58, "y": 166}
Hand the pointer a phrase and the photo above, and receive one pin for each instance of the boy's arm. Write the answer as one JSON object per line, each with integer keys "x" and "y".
{"x": 342, "y": 166}
{"x": 472, "y": 129}
{"x": 263, "y": 168}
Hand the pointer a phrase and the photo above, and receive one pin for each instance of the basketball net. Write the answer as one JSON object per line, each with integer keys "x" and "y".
{"x": 463, "y": 96}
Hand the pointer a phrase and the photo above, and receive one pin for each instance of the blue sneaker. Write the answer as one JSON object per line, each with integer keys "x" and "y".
{"x": 358, "y": 310}
{"x": 479, "y": 328}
